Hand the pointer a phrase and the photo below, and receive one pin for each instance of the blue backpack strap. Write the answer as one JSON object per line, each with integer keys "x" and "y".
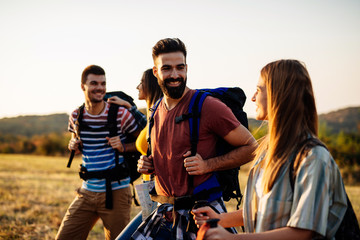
{"x": 151, "y": 124}
{"x": 195, "y": 107}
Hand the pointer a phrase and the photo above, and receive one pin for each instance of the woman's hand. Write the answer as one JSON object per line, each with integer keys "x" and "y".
{"x": 119, "y": 101}
{"x": 218, "y": 233}
{"x": 204, "y": 213}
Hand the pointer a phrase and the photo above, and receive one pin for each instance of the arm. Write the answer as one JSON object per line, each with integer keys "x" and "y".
{"x": 284, "y": 233}
{"x": 139, "y": 117}
{"x": 116, "y": 143}
{"x": 119, "y": 101}
{"x": 74, "y": 144}
{"x": 230, "y": 219}
{"x": 241, "y": 138}
{"x": 246, "y": 144}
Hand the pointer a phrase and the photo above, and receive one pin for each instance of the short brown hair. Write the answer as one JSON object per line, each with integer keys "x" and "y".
{"x": 92, "y": 69}
{"x": 168, "y": 45}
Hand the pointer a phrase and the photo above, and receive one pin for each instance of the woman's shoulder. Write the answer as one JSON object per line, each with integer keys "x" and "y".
{"x": 318, "y": 157}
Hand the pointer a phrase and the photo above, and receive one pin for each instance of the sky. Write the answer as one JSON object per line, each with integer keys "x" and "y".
{"x": 46, "y": 44}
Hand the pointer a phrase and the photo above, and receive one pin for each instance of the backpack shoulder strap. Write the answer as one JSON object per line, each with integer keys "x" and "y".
{"x": 112, "y": 126}
{"x": 77, "y": 129}
{"x": 195, "y": 107}
{"x": 193, "y": 115}
{"x": 151, "y": 124}
{"x": 112, "y": 119}
{"x": 79, "y": 118}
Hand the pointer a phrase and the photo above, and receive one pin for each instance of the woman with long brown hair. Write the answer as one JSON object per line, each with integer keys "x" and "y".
{"x": 294, "y": 189}
{"x": 150, "y": 91}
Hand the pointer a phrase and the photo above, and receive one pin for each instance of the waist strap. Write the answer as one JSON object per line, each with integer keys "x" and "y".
{"x": 120, "y": 171}
{"x": 183, "y": 202}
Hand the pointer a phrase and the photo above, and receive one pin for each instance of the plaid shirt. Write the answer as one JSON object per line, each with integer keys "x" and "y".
{"x": 318, "y": 202}
{"x": 149, "y": 228}
{"x": 139, "y": 117}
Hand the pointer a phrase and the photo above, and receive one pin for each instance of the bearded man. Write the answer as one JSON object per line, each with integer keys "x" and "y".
{"x": 178, "y": 174}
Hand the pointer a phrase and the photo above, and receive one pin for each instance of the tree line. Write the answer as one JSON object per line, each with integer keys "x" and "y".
{"x": 344, "y": 147}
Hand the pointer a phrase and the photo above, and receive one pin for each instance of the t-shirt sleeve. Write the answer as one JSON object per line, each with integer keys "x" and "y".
{"x": 71, "y": 123}
{"x": 128, "y": 122}
{"x": 314, "y": 205}
{"x": 218, "y": 117}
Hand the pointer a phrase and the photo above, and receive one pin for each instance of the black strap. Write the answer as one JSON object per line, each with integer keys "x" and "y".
{"x": 112, "y": 126}
{"x": 151, "y": 124}
{"x": 108, "y": 195}
{"x": 77, "y": 131}
{"x": 113, "y": 174}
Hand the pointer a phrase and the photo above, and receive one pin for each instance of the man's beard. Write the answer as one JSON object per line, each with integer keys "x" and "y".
{"x": 173, "y": 92}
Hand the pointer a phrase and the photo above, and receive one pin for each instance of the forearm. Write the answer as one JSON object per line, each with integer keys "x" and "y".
{"x": 284, "y": 233}
{"x": 129, "y": 147}
{"x": 232, "y": 159}
{"x": 232, "y": 219}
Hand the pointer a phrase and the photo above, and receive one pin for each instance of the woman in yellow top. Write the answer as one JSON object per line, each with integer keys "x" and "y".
{"x": 149, "y": 91}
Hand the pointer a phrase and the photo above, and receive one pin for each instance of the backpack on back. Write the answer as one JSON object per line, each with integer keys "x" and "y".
{"x": 349, "y": 226}
{"x": 235, "y": 99}
{"x": 130, "y": 158}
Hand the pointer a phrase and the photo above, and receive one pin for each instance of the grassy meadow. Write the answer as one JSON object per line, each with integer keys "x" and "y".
{"x": 35, "y": 192}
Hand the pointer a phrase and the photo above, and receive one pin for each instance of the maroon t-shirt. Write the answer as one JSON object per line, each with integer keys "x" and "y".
{"x": 170, "y": 141}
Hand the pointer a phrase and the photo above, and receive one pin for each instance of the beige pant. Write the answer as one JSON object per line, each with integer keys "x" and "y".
{"x": 88, "y": 207}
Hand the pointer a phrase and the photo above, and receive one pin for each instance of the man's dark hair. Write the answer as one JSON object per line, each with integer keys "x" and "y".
{"x": 168, "y": 45}
{"x": 92, "y": 69}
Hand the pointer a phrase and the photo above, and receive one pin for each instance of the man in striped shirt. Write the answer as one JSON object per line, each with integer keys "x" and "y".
{"x": 99, "y": 158}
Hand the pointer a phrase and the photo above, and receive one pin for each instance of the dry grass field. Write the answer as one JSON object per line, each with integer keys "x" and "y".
{"x": 35, "y": 192}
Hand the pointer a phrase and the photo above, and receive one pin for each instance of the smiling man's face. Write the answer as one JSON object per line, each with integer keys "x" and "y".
{"x": 171, "y": 72}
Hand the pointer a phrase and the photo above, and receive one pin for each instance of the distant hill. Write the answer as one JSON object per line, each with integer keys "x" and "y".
{"x": 34, "y": 125}
{"x": 346, "y": 120}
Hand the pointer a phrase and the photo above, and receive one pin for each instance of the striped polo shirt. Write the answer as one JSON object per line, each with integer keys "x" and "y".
{"x": 97, "y": 155}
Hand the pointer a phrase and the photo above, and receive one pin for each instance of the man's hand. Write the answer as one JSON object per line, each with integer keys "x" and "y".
{"x": 74, "y": 144}
{"x": 145, "y": 164}
{"x": 218, "y": 233}
{"x": 195, "y": 165}
{"x": 115, "y": 143}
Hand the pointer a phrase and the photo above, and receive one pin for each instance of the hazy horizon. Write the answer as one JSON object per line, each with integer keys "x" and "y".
{"x": 45, "y": 45}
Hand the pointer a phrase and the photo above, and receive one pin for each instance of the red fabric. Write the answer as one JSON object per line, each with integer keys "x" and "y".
{"x": 202, "y": 231}
{"x": 170, "y": 141}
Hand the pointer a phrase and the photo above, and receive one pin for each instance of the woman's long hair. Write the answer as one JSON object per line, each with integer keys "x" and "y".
{"x": 151, "y": 87}
{"x": 291, "y": 113}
